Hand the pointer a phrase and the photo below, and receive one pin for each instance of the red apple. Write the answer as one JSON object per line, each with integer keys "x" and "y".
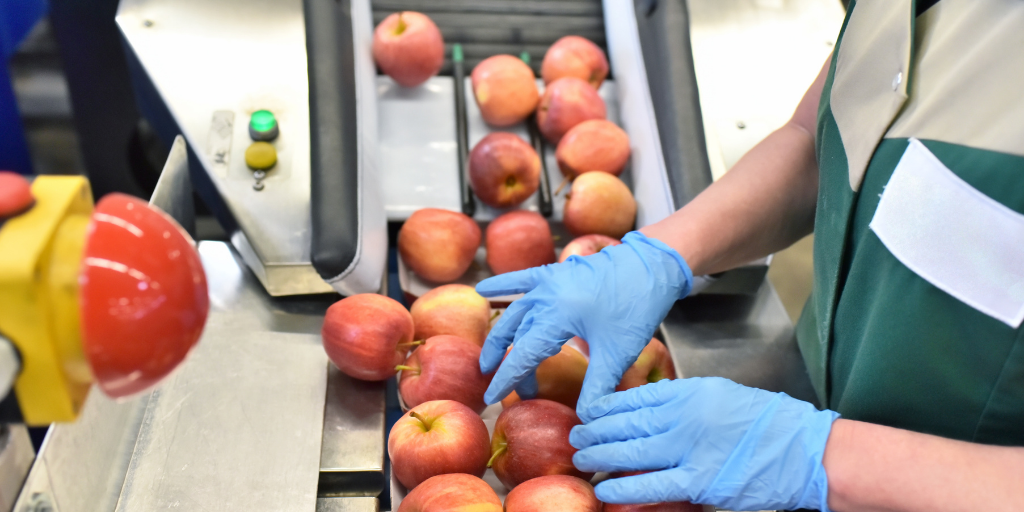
{"x": 439, "y": 245}
{"x": 599, "y": 203}
{"x": 553, "y": 492}
{"x": 503, "y": 169}
{"x": 408, "y": 47}
{"x": 566, "y": 103}
{"x": 505, "y": 89}
{"x": 367, "y": 335}
{"x": 575, "y": 56}
{"x": 519, "y": 240}
{"x": 585, "y": 246}
{"x": 594, "y": 145}
{"x": 437, "y": 438}
{"x": 452, "y": 493}
{"x": 559, "y": 378}
{"x": 531, "y": 439}
{"x": 667, "y": 506}
{"x": 454, "y": 309}
{"x": 653, "y": 364}
{"x": 15, "y": 194}
{"x": 444, "y": 368}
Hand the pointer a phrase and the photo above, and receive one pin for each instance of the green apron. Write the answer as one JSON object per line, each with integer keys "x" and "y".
{"x": 882, "y": 343}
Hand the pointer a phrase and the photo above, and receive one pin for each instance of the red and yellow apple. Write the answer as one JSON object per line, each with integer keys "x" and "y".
{"x": 437, "y": 438}
{"x": 452, "y": 493}
{"x": 597, "y": 145}
{"x": 531, "y": 439}
{"x": 505, "y": 90}
{"x": 454, "y": 309}
{"x": 653, "y": 364}
{"x": 438, "y": 245}
{"x": 519, "y": 240}
{"x": 503, "y": 169}
{"x": 559, "y": 378}
{"x": 585, "y": 246}
{"x": 666, "y": 506}
{"x": 408, "y": 47}
{"x": 367, "y": 335}
{"x": 444, "y": 368}
{"x": 553, "y": 492}
{"x": 599, "y": 203}
{"x": 566, "y": 103}
{"x": 577, "y": 57}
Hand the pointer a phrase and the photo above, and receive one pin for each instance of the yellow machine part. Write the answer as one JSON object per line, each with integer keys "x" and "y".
{"x": 40, "y": 256}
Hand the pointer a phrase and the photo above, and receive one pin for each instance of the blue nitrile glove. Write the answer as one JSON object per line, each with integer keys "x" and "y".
{"x": 614, "y": 300}
{"x": 717, "y": 442}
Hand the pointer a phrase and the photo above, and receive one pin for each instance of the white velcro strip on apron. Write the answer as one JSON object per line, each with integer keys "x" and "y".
{"x": 953, "y": 236}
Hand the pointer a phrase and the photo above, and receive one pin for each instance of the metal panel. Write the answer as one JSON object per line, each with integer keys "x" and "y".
{"x": 352, "y": 451}
{"x": 16, "y": 455}
{"x": 347, "y": 505}
{"x": 173, "y": 193}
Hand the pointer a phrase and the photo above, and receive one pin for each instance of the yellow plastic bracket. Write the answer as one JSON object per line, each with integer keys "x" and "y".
{"x": 40, "y": 256}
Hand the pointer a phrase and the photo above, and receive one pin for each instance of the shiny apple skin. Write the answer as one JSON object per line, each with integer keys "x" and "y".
{"x": 553, "y": 492}
{"x": 438, "y": 245}
{"x": 143, "y": 299}
{"x": 412, "y": 56}
{"x": 504, "y": 170}
{"x": 454, "y": 309}
{"x": 586, "y": 245}
{"x": 566, "y": 103}
{"x": 535, "y": 435}
{"x": 597, "y": 145}
{"x": 559, "y": 378}
{"x": 452, "y": 493}
{"x": 577, "y": 57}
{"x": 455, "y": 441}
{"x": 445, "y": 368}
{"x": 653, "y": 364}
{"x": 519, "y": 240}
{"x": 367, "y": 335}
{"x": 599, "y": 203}
{"x": 505, "y": 90}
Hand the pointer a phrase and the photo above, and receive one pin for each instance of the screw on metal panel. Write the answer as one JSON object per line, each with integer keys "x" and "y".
{"x": 741, "y": 125}
{"x": 40, "y": 502}
{"x": 259, "y": 175}
{"x": 147, "y": 23}
{"x": 258, "y": 186}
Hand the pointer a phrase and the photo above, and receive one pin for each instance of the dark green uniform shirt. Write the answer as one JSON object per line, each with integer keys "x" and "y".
{"x": 915, "y": 317}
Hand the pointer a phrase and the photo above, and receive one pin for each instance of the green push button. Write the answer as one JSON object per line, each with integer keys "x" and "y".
{"x": 263, "y": 126}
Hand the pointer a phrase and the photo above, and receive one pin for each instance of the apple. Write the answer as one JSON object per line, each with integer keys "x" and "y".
{"x": 367, "y": 335}
{"x": 503, "y": 169}
{"x": 594, "y": 145}
{"x": 553, "y": 492}
{"x": 575, "y": 56}
{"x": 454, "y": 309}
{"x": 505, "y": 89}
{"x": 599, "y": 203}
{"x": 439, "y": 245}
{"x": 559, "y": 378}
{"x": 408, "y": 47}
{"x": 653, "y": 364}
{"x": 452, "y": 492}
{"x": 585, "y": 246}
{"x": 444, "y": 368}
{"x": 531, "y": 439}
{"x": 437, "y": 438}
{"x": 15, "y": 194}
{"x": 566, "y": 103}
{"x": 519, "y": 240}
{"x": 667, "y": 506}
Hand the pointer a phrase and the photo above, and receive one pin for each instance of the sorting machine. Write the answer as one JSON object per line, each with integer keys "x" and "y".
{"x": 280, "y": 124}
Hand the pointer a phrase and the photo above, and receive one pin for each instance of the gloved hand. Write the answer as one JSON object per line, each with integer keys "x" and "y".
{"x": 614, "y": 300}
{"x": 724, "y": 444}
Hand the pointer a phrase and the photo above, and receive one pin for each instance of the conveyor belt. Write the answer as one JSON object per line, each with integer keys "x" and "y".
{"x": 491, "y": 27}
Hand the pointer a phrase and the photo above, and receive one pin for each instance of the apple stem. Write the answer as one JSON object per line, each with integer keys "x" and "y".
{"x": 565, "y": 181}
{"x": 495, "y": 455}
{"x": 402, "y": 368}
{"x": 401, "y": 25}
{"x": 426, "y": 423}
{"x": 411, "y": 344}
{"x": 495, "y": 314}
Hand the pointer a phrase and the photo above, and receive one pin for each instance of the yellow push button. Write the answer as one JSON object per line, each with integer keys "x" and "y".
{"x": 260, "y": 156}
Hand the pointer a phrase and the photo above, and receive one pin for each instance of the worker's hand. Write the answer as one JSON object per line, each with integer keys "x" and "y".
{"x": 716, "y": 442}
{"x": 614, "y": 300}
